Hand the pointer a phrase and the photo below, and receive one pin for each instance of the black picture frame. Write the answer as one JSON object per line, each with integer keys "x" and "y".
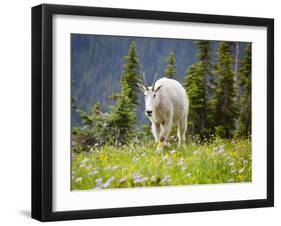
{"x": 42, "y": 111}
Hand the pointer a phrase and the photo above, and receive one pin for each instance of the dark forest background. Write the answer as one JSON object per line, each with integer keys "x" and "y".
{"x": 97, "y": 64}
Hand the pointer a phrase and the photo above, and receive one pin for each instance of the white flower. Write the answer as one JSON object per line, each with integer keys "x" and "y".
{"x": 172, "y": 151}
{"x": 137, "y": 181}
{"x": 153, "y": 178}
{"x": 140, "y": 180}
{"x": 231, "y": 164}
{"x": 84, "y": 160}
{"x": 183, "y": 168}
{"x": 144, "y": 179}
{"x": 93, "y": 173}
{"x": 107, "y": 168}
{"x": 165, "y": 157}
{"x": 180, "y": 163}
{"x": 195, "y": 152}
{"x": 188, "y": 175}
{"x": 241, "y": 170}
{"x": 143, "y": 154}
{"x": 221, "y": 151}
{"x": 233, "y": 171}
{"x": 114, "y": 167}
{"x": 78, "y": 179}
{"x": 88, "y": 167}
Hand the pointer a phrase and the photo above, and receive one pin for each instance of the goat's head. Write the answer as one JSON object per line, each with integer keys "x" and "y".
{"x": 150, "y": 95}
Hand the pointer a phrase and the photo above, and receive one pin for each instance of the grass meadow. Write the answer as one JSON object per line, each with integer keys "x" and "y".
{"x": 212, "y": 162}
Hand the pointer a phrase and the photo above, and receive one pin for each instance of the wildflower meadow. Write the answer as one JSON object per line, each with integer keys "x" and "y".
{"x": 221, "y": 161}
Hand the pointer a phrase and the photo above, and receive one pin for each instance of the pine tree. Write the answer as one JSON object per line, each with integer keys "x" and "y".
{"x": 122, "y": 117}
{"x": 204, "y": 56}
{"x": 170, "y": 71}
{"x": 245, "y": 118}
{"x": 225, "y": 106}
{"x": 194, "y": 84}
{"x": 131, "y": 74}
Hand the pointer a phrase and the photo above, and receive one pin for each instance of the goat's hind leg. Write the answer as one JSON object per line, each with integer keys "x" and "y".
{"x": 182, "y": 126}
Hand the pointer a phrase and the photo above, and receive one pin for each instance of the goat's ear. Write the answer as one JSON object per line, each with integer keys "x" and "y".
{"x": 142, "y": 88}
{"x": 157, "y": 89}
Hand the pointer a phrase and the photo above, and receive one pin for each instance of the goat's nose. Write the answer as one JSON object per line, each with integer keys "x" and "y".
{"x": 149, "y": 112}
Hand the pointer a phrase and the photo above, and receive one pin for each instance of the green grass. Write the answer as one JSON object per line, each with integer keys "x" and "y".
{"x": 221, "y": 161}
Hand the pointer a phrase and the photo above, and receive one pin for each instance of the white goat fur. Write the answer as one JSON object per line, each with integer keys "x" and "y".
{"x": 170, "y": 105}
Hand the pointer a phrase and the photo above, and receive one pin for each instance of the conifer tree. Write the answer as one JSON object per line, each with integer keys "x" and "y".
{"x": 225, "y": 107}
{"x": 204, "y": 56}
{"x": 170, "y": 71}
{"x": 194, "y": 84}
{"x": 245, "y": 85}
{"x": 131, "y": 74}
{"x": 123, "y": 115}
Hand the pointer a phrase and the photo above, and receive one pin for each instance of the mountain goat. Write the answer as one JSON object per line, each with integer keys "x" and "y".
{"x": 166, "y": 103}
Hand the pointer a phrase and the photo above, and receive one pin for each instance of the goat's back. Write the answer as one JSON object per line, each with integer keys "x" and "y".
{"x": 176, "y": 93}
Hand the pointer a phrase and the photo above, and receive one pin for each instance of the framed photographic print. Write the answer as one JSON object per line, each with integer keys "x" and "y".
{"x": 145, "y": 112}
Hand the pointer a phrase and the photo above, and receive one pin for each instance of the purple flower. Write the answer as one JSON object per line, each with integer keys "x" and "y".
{"x": 166, "y": 179}
{"x": 108, "y": 182}
{"x": 135, "y": 159}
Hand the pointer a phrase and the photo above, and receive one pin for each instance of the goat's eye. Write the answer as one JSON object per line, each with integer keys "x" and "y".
{"x": 154, "y": 95}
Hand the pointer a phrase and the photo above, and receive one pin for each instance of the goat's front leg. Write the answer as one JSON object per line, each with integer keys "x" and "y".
{"x": 164, "y": 133}
{"x": 155, "y": 128}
